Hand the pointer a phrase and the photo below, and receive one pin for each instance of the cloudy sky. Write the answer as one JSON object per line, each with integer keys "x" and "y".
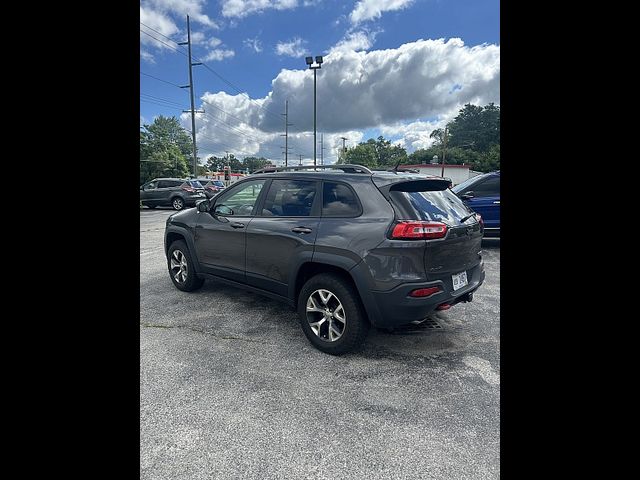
{"x": 397, "y": 68}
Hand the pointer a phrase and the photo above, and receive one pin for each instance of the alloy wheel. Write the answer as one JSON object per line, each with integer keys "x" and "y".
{"x": 179, "y": 267}
{"x": 326, "y": 315}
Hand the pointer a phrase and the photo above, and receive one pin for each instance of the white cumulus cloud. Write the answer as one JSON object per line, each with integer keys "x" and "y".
{"x": 292, "y": 48}
{"x": 218, "y": 54}
{"x": 371, "y": 9}
{"x": 404, "y": 92}
{"x": 243, "y": 8}
{"x": 356, "y": 41}
{"x": 181, "y": 8}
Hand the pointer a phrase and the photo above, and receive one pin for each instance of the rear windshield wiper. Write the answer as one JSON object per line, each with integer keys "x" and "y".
{"x": 464, "y": 219}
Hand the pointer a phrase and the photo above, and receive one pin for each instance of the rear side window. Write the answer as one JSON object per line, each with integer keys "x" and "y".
{"x": 432, "y": 206}
{"x": 338, "y": 200}
{"x": 169, "y": 183}
{"x": 488, "y": 188}
{"x": 290, "y": 198}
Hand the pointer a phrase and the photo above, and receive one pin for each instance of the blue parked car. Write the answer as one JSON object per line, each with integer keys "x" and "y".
{"x": 482, "y": 195}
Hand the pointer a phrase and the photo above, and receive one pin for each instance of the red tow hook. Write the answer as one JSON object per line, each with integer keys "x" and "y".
{"x": 444, "y": 306}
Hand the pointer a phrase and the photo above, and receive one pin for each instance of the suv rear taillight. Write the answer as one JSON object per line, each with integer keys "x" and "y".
{"x": 189, "y": 189}
{"x": 415, "y": 230}
{"x": 479, "y": 219}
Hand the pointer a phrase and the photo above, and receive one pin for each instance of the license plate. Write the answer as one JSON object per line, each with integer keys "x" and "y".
{"x": 459, "y": 280}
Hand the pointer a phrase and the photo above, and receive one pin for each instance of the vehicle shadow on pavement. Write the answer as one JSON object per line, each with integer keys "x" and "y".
{"x": 251, "y": 317}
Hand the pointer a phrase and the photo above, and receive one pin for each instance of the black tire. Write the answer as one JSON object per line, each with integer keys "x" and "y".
{"x": 356, "y": 325}
{"x": 177, "y": 203}
{"x": 189, "y": 281}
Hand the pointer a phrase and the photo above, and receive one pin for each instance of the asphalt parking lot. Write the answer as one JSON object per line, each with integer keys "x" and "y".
{"x": 231, "y": 388}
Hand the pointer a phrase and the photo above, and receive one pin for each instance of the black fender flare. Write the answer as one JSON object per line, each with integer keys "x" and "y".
{"x": 188, "y": 238}
{"x": 357, "y": 270}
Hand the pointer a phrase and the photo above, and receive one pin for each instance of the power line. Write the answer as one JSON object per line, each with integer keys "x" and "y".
{"x": 229, "y": 83}
{"x": 161, "y": 80}
{"x": 164, "y": 43}
{"x": 161, "y": 99}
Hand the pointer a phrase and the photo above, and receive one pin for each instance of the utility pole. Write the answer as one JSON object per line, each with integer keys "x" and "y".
{"x": 286, "y": 132}
{"x": 444, "y": 150}
{"x": 193, "y": 108}
{"x": 300, "y": 159}
{"x": 322, "y": 149}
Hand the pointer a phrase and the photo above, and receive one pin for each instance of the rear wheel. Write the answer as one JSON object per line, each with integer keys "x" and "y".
{"x": 331, "y": 314}
{"x": 181, "y": 269}
{"x": 177, "y": 203}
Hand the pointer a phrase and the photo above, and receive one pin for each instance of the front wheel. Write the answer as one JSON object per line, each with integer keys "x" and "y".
{"x": 177, "y": 203}
{"x": 181, "y": 269}
{"x": 331, "y": 314}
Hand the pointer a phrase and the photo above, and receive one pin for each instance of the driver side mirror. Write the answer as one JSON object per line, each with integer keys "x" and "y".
{"x": 203, "y": 206}
{"x": 467, "y": 196}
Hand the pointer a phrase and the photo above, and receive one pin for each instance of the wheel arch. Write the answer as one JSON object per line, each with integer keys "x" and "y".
{"x": 173, "y": 234}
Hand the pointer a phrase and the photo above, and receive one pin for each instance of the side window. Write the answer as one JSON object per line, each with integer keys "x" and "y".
{"x": 338, "y": 200}
{"x": 488, "y": 188}
{"x": 239, "y": 201}
{"x": 163, "y": 184}
{"x": 150, "y": 186}
{"x": 289, "y": 198}
{"x": 174, "y": 183}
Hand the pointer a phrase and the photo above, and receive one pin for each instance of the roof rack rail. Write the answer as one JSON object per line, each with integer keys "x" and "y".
{"x": 346, "y": 167}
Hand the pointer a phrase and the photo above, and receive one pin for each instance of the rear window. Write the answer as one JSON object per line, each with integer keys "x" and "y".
{"x": 218, "y": 183}
{"x": 338, "y": 200}
{"x": 434, "y": 206}
{"x": 195, "y": 184}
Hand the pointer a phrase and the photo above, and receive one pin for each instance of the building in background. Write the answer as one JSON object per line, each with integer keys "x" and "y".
{"x": 457, "y": 173}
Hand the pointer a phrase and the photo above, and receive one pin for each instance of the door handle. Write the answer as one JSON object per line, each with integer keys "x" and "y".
{"x": 301, "y": 230}
{"x": 237, "y": 225}
{"x": 497, "y": 202}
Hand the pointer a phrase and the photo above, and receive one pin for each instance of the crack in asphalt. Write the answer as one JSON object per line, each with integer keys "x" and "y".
{"x": 197, "y": 330}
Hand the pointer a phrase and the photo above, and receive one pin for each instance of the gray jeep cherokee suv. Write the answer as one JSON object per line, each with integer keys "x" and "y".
{"x": 347, "y": 247}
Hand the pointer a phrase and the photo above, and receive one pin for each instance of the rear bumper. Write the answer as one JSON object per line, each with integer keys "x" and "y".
{"x": 395, "y": 307}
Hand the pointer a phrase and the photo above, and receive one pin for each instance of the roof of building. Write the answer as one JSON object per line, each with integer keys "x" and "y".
{"x": 434, "y": 165}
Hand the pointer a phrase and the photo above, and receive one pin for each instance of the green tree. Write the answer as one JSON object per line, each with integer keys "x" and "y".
{"x": 375, "y": 153}
{"x": 477, "y": 127}
{"x": 254, "y": 163}
{"x": 215, "y": 164}
{"x": 165, "y": 149}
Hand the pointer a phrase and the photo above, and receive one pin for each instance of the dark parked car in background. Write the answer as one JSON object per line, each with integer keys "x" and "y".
{"x": 171, "y": 192}
{"x": 212, "y": 187}
{"x": 482, "y": 195}
{"x": 348, "y": 249}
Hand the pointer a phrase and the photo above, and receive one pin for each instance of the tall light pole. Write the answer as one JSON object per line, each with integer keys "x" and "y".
{"x": 444, "y": 151}
{"x": 318, "y": 65}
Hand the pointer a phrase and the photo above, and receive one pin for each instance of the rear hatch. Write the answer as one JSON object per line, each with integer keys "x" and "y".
{"x": 194, "y": 187}
{"x": 451, "y": 233}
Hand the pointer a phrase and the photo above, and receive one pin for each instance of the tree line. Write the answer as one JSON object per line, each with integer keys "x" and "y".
{"x": 166, "y": 150}
{"x": 472, "y": 138}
